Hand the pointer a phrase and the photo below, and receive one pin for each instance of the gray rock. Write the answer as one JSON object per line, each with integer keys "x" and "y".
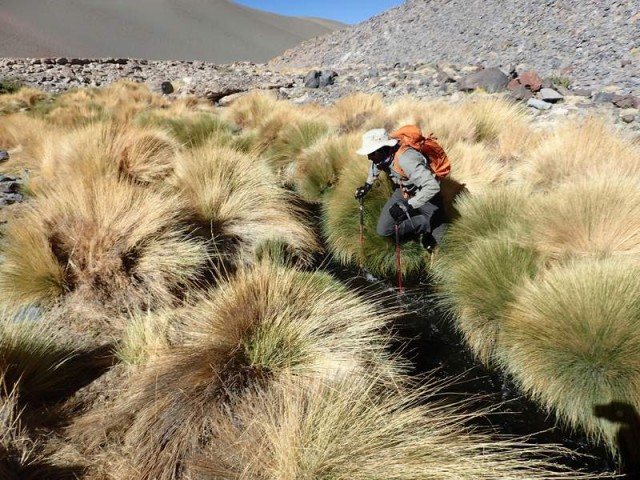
{"x": 550, "y": 95}
{"x": 312, "y": 79}
{"x": 604, "y": 97}
{"x": 538, "y": 104}
{"x": 581, "y": 92}
{"x": 626, "y": 101}
{"x": 628, "y": 118}
{"x": 491, "y": 80}
{"x": 521, "y": 92}
{"x": 327, "y": 78}
{"x": 4, "y": 156}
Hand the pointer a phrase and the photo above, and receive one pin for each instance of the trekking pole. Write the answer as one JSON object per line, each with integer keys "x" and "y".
{"x": 399, "y": 265}
{"x": 361, "y": 253}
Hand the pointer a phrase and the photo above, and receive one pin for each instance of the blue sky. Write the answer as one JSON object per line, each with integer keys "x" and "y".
{"x": 346, "y": 11}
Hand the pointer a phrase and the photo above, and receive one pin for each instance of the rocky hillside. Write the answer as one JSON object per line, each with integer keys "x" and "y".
{"x": 595, "y": 42}
{"x": 219, "y": 31}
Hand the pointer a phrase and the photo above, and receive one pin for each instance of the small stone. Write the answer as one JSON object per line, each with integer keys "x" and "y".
{"x": 4, "y": 156}
{"x": 604, "y": 97}
{"x": 521, "y": 93}
{"x": 312, "y": 79}
{"x": 61, "y": 61}
{"x": 550, "y": 95}
{"x": 625, "y": 63}
{"x": 628, "y": 118}
{"x": 626, "y": 101}
{"x": 538, "y": 104}
{"x": 167, "y": 87}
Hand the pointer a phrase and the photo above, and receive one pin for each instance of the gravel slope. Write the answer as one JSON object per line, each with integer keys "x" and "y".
{"x": 592, "y": 41}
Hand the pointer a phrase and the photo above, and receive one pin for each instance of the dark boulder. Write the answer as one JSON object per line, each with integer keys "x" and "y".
{"x": 312, "y": 79}
{"x": 491, "y": 80}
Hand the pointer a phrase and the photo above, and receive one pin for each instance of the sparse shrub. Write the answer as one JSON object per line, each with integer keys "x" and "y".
{"x": 560, "y": 81}
{"x": 341, "y": 227}
{"x": 9, "y": 85}
{"x": 354, "y": 430}
{"x": 234, "y": 199}
{"x": 571, "y": 341}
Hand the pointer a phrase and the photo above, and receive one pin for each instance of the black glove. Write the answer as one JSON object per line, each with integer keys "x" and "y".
{"x": 362, "y": 191}
{"x": 400, "y": 210}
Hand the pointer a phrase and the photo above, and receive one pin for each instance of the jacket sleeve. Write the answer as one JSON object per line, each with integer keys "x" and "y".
{"x": 373, "y": 173}
{"x": 415, "y": 166}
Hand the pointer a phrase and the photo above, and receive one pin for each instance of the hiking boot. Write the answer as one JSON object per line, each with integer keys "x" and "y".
{"x": 428, "y": 242}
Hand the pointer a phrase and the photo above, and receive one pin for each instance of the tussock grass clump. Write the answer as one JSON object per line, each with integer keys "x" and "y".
{"x": 575, "y": 151}
{"x": 354, "y": 430}
{"x": 596, "y": 217}
{"x": 474, "y": 165}
{"x": 107, "y": 242}
{"x": 478, "y": 287}
{"x": 283, "y": 151}
{"x": 499, "y": 122}
{"x": 145, "y": 336}
{"x": 139, "y": 154}
{"x": 318, "y": 167}
{"x": 341, "y": 226}
{"x": 503, "y": 209}
{"x": 234, "y": 199}
{"x": 571, "y": 340}
{"x": 358, "y": 111}
{"x": 21, "y": 99}
{"x": 190, "y": 129}
{"x": 36, "y": 361}
{"x": 250, "y": 110}
{"x": 263, "y": 323}
{"x": 449, "y": 123}
{"x": 16, "y": 449}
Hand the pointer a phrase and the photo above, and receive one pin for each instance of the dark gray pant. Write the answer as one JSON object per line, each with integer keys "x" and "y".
{"x": 429, "y": 218}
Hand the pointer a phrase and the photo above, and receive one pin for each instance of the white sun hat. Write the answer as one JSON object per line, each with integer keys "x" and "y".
{"x": 374, "y": 140}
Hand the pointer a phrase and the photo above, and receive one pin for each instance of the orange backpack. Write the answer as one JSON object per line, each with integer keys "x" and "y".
{"x": 410, "y": 136}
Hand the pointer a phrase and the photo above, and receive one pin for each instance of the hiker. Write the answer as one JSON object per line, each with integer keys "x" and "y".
{"x": 416, "y": 204}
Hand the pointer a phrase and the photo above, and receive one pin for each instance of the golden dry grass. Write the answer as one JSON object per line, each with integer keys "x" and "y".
{"x": 234, "y": 199}
{"x": 25, "y": 98}
{"x": 261, "y": 324}
{"x": 103, "y": 242}
{"x": 475, "y": 166}
{"x": 575, "y": 151}
{"x": 570, "y": 340}
{"x": 318, "y": 167}
{"x": 143, "y": 155}
{"x": 358, "y": 111}
{"x": 354, "y": 430}
{"x": 593, "y": 217}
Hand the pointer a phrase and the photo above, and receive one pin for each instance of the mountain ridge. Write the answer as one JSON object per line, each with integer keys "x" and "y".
{"x": 218, "y": 31}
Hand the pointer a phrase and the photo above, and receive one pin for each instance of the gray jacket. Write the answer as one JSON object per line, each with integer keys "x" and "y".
{"x": 422, "y": 185}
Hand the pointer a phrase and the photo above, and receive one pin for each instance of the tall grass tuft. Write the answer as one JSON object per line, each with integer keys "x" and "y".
{"x": 573, "y": 151}
{"x": 21, "y": 99}
{"x": 190, "y": 129}
{"x": 357, "y": 111}
{"x": 478, "y": 287}
{"x": 262, "y": 324}
{"x": 234, "y": 199}
{"x": 474, "y": 165}
{"x": 144, "y": 155}
{"x": 340, "y": 224}
{"x": 355, "y": 431}
{"x": 503, "y": 209}
{"x": 282, "y": 153}
{"x": 318, "y": 167}
{"x": 106, "y": 243}
{"x": 571, "y": 340}
{"x": 36, "y": 361}
{"x": 16, "y": 449}
{"x": 596, "y": 217}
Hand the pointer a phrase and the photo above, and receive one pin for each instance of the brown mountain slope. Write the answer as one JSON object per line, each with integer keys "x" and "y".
{"x": 218, "y": 31}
